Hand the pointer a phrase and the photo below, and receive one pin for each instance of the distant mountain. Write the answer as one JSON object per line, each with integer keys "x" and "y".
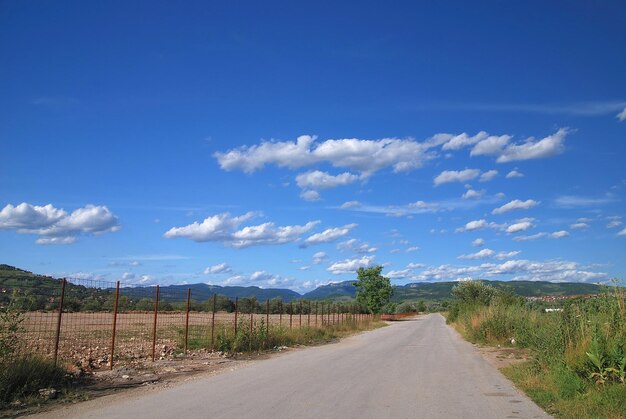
{"x": 44, "y": 286}
{"x": 202, "y": 292}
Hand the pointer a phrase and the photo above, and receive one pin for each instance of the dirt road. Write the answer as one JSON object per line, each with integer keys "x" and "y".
{"x": 411, "y": 369}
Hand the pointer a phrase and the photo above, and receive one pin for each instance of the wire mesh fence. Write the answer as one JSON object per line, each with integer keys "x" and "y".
{"x": 94, "y": 324}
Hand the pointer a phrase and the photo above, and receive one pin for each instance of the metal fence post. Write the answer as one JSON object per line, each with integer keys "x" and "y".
{"x": 322, "y": 314}
{"x": 187, "y": 320}
{"x": 117, "y": 296}
{"x": 251, "y": 328}
{"x": 300, "y": 314}
{"x": 154, "y": 323}
{"x": 280, "y": 318}
{"x": 316, "y": 314}
{"x": 213, "y": 322}
{"x": 236, "y": 303}
{"x": 58, "y": 334}
{"x": 290, "y": 315}
{"x": 308, "y": 323}
{"x": 267, "y": 321}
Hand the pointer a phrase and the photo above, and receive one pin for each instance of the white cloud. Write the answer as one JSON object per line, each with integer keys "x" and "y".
{"x": 412, "y": 249}
{"x": 398, "y": 274}
{"x": 513, "y": 174}
{"x": 482, "y": 254}
{"x": 515, "y": 205}
{"x": 521, "y": 225}
{"x": 221, "y": 268}
{"x": 614, "y": 223}
{"x": 311, "y": 196}
{"x": 364, "y": 156}
{"x": 353, "y": 245}
{"x": 128, "y": 276}
{"x": 415, "y": 266}
{"x": 478, "y": 242}
{"x": 507, "y": 255}
{"x": 529, "y": 238}
{"x": 622, "y": 115}
{"x": 456, "y": 176}
{"x": 462, "y": 140}
{"x": 622, "y": 232}
{"x": 572, "y": 201}
{"x": 350, "y": 204}
{"x": 559, "y": 234}
{"x": 473, "y": 225}
{"x": 316, "y": 180}
{"x": 56, "y": 226}
{"x": 221, "y": 227}
{"x": 488, "y": 175}
{"x": 490, "y": 146}
{"x": 472, "y": 194}
{"x": 579, "y": 226}
{"x": 328, "y": 235}
{"x": 350, "y": 265}
{"x": 532, "y": 149}
{"x": 319, "y": 257}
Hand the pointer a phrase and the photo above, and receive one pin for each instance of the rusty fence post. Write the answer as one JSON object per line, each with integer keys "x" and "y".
{"x": 236, "y": 303}
{"x": 213, "y": 323}
{"x": 300, "y": 313}
{"x": 154, "y": 322}
{"x": 308, "y": 323}
{"x": 322, "y": 314}
{"x": 267, "y": 321}
{"x": 280, "y": 318}
{"x": 316, "y": 314}
{"x": 290, "y": 315}
{"x": 251, "y": 328}
{"x": 117, "y": 297}
{"x": 58, "y": 331}
{"x": 187, "y": 320}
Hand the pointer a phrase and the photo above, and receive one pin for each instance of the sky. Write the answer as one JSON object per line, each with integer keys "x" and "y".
{"x": 287, "y": 144}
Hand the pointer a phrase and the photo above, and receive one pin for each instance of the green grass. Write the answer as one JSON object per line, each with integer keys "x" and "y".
{"x": 24, "y": 376}
{"x": 578, "y": 355}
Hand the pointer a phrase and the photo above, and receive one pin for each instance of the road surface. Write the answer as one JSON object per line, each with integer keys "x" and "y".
{"x": 411, "y": 369}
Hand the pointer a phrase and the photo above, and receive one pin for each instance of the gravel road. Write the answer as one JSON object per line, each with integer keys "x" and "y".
{"x": 413, "y": 369}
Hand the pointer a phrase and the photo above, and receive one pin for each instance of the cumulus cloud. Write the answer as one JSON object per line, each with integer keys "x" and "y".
{"x": 311, "y": 196}
{"x": 515, "y": 205}
{"x": 398, "y": 274}
{"x": 328, "y": 235}
{"x": 415, "y": 266}
{"x": 507, "y": 255}
{"x": 490, "y": 146}
{"x": 529, "y": 238}
{"x": 316, "y": 180}
{"x": 221, "y": 268}
{"x": 350, "y": 204}
{"x": 622, "y": 115}
{"x": 364, "y": 156}
{"x": 457, "y": 142}
{"x": 354, "y": 245}
{"x": 559, "y": 234}
{"x": 622, "y": 232}
{"x": 473, "y": 194}
{"x": 482, "y": 254}
{"x": 56, "y": 226}
{"x": 223, "y": 227}
{"x": 513, "y": 174}
{"x": 488, "y": 175}
{"x": 521, "y": 225}
{"x": 473, "y": 225}
{"x": 319, "y": 257}
{"x": 534, "y": 149}
{"x": 579, "y": 226}
{"x": 478, "y": 242}
{"x": 448, "y": 176}
{"x": 350, "y": 265}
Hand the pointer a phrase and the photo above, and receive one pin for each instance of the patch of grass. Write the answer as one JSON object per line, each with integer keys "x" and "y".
{"x": 24, "y": 376}
{"x": 565, "y": 395}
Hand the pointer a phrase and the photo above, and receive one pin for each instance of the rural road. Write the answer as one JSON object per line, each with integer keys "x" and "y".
{"x": 411, "y": 369}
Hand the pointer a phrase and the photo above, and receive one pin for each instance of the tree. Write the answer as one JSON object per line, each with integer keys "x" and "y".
{"x": 373, "y": 290}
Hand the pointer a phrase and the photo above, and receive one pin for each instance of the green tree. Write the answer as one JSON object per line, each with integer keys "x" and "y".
{"x": 373, "y": 290}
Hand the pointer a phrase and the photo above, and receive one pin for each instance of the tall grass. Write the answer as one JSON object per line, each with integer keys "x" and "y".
{"x": 579, "y": 354}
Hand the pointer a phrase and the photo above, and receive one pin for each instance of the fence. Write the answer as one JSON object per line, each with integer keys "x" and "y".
{"x": 94, "y": 324}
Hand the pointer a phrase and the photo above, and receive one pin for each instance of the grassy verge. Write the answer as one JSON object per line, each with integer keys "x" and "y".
{"x": 578, "y": 354}
{"x": 258, "y": 339}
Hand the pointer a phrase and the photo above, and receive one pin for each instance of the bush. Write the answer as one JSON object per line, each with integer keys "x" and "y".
{"x": 406, "y": 307}
{"x": 25, "y": 375}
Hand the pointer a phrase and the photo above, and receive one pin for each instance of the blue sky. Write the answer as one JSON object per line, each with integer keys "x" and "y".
{"x": 285, "y": 144}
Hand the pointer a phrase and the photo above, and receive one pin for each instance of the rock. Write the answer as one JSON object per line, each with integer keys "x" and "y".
{"x": 48, "y": 393}
{"x": 126, "y": 377}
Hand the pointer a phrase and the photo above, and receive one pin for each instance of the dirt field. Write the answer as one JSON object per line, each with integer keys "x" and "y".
{"x": 86, "y": 338}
